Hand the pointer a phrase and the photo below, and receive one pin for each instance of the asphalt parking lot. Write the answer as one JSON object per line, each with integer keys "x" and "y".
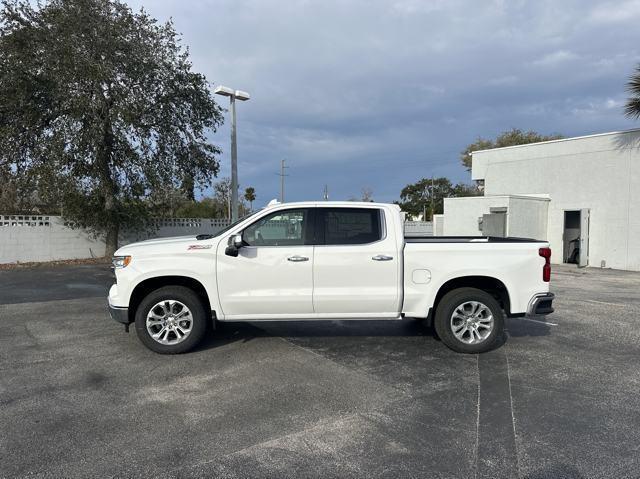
{"x": 81, "y": 398}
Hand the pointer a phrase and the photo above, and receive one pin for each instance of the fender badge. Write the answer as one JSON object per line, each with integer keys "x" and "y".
{"x": 199, "y": 246}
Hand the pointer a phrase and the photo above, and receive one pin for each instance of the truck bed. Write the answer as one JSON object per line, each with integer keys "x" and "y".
{"x": 468, "y": 239}
{"x": 431, "y": 261}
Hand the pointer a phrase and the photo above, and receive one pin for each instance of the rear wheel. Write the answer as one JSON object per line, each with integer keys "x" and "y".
{"x": 469, "y": 320}
{"x": 171, "y": 320}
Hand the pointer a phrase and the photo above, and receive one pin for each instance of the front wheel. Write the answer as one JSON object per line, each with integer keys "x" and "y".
{"x": 171, "y": 320}
{"x": 469, "y": 320}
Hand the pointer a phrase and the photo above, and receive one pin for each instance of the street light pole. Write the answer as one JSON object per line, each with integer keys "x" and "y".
{"x": 233, "y": 96}
{"x": 234, "y": 161}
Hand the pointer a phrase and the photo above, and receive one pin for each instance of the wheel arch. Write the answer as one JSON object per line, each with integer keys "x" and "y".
{"x": 148, "y": 285}
{"x": 489, "y": 284}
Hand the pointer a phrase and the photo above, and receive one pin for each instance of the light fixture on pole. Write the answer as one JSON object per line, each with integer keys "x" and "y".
{"x": 233, "y": 96}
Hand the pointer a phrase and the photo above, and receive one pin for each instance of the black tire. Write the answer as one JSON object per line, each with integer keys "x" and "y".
{"x": 445, "y": 310}
{"x": 188, "y": 298}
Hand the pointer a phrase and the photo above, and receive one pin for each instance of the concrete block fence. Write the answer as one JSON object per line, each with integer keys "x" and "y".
{"x": 27, "y": 238}
{"x": 418, "y": 228}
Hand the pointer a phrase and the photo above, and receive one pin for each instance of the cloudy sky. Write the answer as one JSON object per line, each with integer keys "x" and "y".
{"x": 377, "y": 94}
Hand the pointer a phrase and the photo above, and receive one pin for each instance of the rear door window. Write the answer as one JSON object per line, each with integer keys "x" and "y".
{"x": 349, "y": 226}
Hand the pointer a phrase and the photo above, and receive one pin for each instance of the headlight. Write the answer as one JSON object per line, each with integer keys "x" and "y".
{"x": 120, "y": 261}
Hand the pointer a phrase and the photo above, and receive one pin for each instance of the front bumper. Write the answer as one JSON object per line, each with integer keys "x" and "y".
{"x": 118, "y": 314}
{"x": 541, "y": 304}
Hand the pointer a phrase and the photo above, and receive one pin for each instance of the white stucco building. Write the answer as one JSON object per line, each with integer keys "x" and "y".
{"x": 576, "y": 191}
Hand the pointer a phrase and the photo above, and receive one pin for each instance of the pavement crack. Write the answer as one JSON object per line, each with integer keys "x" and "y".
{"x": 497, "y": 449}
{"x": 513, "y": 418}
{"x": 475, "y": 469}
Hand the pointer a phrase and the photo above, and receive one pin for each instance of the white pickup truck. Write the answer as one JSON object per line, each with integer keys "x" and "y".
{"x": 328, "y": 260}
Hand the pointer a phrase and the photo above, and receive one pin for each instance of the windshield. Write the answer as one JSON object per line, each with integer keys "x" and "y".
{"x": 224, "y": 230}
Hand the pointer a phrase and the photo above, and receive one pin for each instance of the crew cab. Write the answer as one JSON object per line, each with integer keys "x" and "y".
{"x": 328, "y": 260}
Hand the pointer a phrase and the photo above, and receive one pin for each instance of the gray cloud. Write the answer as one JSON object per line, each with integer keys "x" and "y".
{"x": 381, "y": 93}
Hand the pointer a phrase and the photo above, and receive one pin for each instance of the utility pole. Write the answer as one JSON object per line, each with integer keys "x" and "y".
{"x": 282, "y": 175}
{"x": 424, "y": 204}
{"x": 325, "y": 195}
{"x": 432, "y": 199}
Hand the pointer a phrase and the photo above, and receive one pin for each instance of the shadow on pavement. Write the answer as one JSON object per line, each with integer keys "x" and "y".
{"x": 245, "y": 331}
{"x": 519, "y": 327}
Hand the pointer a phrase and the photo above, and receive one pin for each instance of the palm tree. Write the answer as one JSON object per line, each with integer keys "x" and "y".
{"x": 632, "y": 107}
{"x": 250, "y": 196}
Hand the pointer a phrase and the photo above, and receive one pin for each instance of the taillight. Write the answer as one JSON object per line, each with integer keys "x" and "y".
{"x": 546, "y": 269}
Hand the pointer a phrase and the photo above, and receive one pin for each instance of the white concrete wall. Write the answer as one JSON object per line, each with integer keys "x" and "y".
{"x": 438, "y": 225}
{"x": 600, "y": 172}
{"x": 50, "y": 238}
{"x": 461, "y": 214}
{"x": 528, "y": 217}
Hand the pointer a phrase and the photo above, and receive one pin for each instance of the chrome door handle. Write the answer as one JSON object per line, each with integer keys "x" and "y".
{"x": 297, "y": 259}
{"x": 382, "y": 257}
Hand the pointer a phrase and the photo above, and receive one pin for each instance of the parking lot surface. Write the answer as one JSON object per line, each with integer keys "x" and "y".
{"x": 81, "y": 398}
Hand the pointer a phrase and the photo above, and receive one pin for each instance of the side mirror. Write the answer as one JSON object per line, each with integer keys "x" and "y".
{"x": 234, "y": 244}
{"x": 236, "y": 240}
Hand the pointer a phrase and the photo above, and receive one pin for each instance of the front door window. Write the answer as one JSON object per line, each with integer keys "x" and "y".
{"x": 282, "y": 228}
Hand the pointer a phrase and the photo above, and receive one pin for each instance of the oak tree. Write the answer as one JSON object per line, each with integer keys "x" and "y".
{"x": 99, "y": 108}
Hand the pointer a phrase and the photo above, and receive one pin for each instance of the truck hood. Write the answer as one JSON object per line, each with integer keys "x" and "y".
{"x": 157, "y": 245}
